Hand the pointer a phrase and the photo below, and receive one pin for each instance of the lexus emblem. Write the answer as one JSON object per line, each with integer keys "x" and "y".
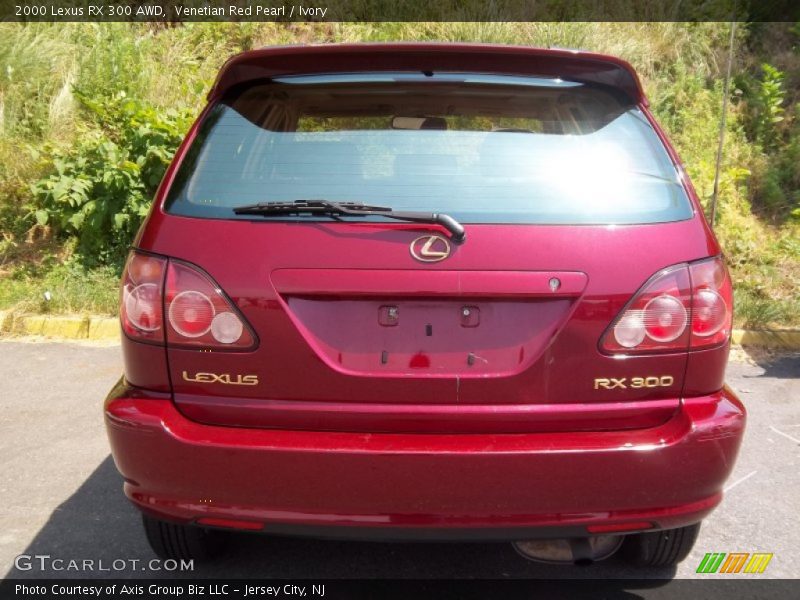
{"x": 430, "y": 248}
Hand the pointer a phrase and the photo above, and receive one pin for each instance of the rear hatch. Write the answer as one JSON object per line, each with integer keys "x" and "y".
{"x": 570, "y": 204}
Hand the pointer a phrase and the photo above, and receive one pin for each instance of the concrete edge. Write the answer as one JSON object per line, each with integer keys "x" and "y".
{"x": 92, "y": 327}
{"x": 71, "y": 327}
{"x": 787, "y": 339}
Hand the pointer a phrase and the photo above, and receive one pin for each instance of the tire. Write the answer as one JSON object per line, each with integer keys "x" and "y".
{"x": 181, "y": 542}
{"x": 660, "y": 548}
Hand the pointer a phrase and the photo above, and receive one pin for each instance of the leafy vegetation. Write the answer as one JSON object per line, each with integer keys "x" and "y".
{"x": 90, "y": 115}
{"x": 100, "y": 190}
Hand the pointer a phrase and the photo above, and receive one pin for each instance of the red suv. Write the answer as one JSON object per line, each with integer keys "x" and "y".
{"x": 427, "y": 291}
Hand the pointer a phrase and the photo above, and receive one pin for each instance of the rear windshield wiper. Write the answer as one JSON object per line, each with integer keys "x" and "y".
{"x": 352, "y": 209}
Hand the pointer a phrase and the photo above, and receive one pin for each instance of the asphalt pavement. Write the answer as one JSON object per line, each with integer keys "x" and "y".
{"x": 60, "y": 494}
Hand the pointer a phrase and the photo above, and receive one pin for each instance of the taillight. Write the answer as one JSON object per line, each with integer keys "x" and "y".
{"x": 665, "y": 318}
{"x": 191, "y": 313}
{"x": 682, "y": 307}
{"x": 656, "y": 318}
{"x": 141, "y": 304}
{"x": 712, "y": 303}
{"x": 199, "y": 314}
{"x": 166, "y": 299}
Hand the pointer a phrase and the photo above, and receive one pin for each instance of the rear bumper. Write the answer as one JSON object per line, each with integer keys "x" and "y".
{"x": 434, "y": 486}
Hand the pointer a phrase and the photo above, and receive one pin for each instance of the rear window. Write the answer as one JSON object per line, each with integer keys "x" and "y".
{"x": 483, "y": 149}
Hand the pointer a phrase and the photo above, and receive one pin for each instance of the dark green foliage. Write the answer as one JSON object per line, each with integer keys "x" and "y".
{"x": 775, "y": 187}
{"x": 768, "y": 100}
{"x": 100, "y": 190}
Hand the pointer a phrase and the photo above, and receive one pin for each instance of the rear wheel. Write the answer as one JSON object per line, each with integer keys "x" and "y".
{"x": 171, "y": 540}
{"x": 660, "y": 548}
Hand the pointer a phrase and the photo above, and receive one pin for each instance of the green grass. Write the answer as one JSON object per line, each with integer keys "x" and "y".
{"x": 71, "y": 290}
{"x": 757, "y": 312}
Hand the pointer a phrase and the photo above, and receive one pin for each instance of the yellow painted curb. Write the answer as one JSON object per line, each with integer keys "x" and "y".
{"x": 46, "y": 325}
{"x": 103, "y": 328}
{"x": 71, "y": 327}
{"x": 784, "y": 340}
{"x": 6, "y": 320}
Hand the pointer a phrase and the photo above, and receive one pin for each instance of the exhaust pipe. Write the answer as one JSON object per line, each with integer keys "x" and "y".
{"x": 582, "y": 554}
{"x": 581, "y": 551}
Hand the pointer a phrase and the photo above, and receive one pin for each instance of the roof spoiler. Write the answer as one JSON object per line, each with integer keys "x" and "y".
{"x": 573, "y": 65}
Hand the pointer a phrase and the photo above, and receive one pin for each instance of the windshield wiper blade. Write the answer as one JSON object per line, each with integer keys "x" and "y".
{"x": 297, "y": 207}
{"x": 352, "y": 209}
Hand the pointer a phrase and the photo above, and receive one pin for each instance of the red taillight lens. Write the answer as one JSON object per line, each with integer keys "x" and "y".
{"x": 143, "y": 307}
{"x": 141, "y": 298}
{"x": 656, "y": 318}
{"x": 665, "y": 318}
{"x": 191, "y": 313}
{"x": 197, "y": 311}
{"x": 708, "y": 313}
{"x": 199, "y": 314}
{"x": 712, "y": 303}
{"x": 682, "y": 307}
